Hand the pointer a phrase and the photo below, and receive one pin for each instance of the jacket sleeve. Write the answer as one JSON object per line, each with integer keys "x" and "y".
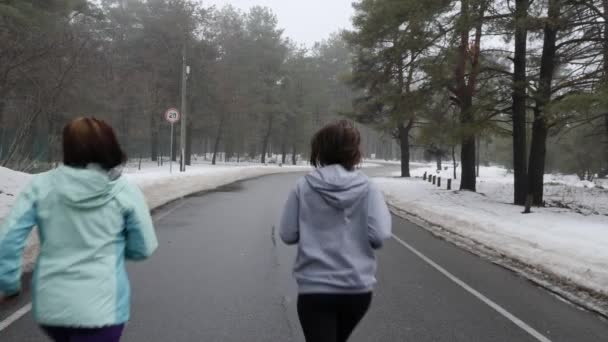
{"x": 379, "y": 219}
{"x": 140, "y": 234}
{"x": 290, "y": 227}
{"x": 13, "y": 237}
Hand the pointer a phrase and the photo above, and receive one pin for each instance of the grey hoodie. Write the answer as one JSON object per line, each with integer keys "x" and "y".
{"x": 337, "y": 218}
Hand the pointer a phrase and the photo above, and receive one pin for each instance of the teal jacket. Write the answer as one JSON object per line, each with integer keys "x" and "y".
{"x": 88, "y": 225}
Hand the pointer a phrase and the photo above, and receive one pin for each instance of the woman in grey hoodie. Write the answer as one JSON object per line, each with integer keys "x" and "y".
{"x": 337, "y": 217}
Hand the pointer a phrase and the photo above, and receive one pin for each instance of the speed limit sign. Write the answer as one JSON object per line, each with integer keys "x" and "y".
{"x": 172, "y": 115}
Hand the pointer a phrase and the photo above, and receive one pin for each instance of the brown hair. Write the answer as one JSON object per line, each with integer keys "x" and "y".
{"x": 336, "y": 143}
{"x": 91, "y": 141}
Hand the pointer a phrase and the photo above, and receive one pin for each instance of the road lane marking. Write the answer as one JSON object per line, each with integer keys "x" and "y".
{"x": 15, "y": 316}
{"x": 28, "y": 307}
{"x": 521, "y": 324}
{"x": 169, "y": 211}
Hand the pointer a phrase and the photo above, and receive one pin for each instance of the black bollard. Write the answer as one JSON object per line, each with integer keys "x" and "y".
{"x": 450, "y": 184}
{"x": 434, "y": 180}
{"x": 424, "y": 176}
{"x": 439, "y": 182}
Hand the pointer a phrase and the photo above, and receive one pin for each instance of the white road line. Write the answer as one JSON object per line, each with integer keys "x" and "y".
{"x": 534, "y": 333}
{"x": 27, "y": 308}
{"x": 15, "y": 316}
{"x": 170, "y": 211}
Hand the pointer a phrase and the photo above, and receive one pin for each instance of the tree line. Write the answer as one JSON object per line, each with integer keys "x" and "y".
{"x": 520, "y": 82}
{"x": 252, "y": 92}
{"x": 530, "y": 76}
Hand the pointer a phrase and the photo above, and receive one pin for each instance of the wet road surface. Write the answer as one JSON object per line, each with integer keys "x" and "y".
{"x": 222, "y": 274}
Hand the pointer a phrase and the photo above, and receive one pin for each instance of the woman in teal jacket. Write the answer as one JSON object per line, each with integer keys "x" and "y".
{"x": 89, "y": 220}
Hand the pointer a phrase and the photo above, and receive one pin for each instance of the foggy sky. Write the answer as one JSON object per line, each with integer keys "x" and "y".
{"x": 304, "y": 21}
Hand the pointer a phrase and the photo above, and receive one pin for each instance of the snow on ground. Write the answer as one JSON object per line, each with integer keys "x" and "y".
{"x": 158, "y": 184}
{"x": 161, "y": 187}
{"x": 563, "y": 193}
{"x": 395, "y": 162}
{"x": 11, "y": 184}
{"x": 567, "y": 242}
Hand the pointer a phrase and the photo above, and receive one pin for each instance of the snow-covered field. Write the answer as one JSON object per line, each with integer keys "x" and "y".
{"x": 567, "y": 193}
{"x": 568, "y": 241}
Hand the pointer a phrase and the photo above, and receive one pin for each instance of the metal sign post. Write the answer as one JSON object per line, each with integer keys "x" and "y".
{"x": 172, "y": 115}
{"x": 171, "y": 151}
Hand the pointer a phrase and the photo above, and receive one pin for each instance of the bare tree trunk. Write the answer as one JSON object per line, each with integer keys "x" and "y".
{"x": 153, "y": 139}
{"x": 229, "y": 148}
{"x": 466, "y": 83}
{"x": 468, "y": 179}
{"x": 606, "y": 142}
{"x": 540, "y": 128}
{"x": 519, "y": 102}
{"x": 175, "y": 145}
{"x": 218, "y": 139}
{"x": 266, "y": 141}
{"x": 2, "y": 130}
{"x": 125, "y": 130}
{"x": 205, "y": 147}
{"x": 283, "y": 152}
{"x": 538, "y": 153}
{"x": 52, "y": 135}
{"x": 294, "y": 157}
{"x": 404, "y": 141}
{"x": 17, "y": 150}
{"x": 605, "y": 5}
{"x": 189, "y": 144}
{"x": 478, "y": 157}
{"x": 454, "y": 161}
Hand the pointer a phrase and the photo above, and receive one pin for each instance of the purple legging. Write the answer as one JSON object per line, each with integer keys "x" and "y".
{"x": 106, "y": 334}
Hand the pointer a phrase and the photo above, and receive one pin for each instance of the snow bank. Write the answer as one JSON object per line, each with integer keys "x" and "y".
{"x": 559, "y": 241}
{"x": 395, "y": 162}
{"x": 159, "y": 186}
{"x": 562, "y": 192}
{"x": 162, "y": 187}
{"x": 11, "y": 184}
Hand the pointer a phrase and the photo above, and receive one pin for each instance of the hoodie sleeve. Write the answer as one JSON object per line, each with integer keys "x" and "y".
{"x": 13, "y": 237}
{"x": 379, "y": 219}
{"x": 290, "y": 227}
{"x": 140, "y": 234}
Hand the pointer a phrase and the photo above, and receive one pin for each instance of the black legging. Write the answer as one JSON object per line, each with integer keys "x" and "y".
{"x": 331, "y": 317}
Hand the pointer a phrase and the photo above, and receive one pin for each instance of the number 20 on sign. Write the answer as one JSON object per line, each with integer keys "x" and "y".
{"x": 172, "y": 115}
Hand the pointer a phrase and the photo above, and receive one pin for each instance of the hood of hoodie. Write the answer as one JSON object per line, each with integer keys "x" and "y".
{"x": 339, "y": 187}
{"x": 86, "y": 188}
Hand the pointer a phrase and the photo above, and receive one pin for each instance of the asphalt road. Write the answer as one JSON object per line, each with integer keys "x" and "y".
{"x": 222, "y": 274}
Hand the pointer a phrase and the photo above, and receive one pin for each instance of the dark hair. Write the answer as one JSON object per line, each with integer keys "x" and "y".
{"x": 91, "y": 141}
{"x": 336, "y": 143}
